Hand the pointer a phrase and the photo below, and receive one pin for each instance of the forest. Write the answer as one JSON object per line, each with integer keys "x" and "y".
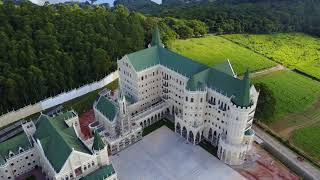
{"x": 48, "y": 49}
{"x": 239, "y": 16}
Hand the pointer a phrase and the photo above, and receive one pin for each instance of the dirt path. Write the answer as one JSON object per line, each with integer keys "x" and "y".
{"x": 264, "y": 72}
{"x": 278, "y": 67}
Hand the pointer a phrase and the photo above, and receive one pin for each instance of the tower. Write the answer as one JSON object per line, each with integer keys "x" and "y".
{"x": 124, "y": 119}
{"x": 156, "y": 38}
{"x": 235, "y": 144}
{"x": 100, "y": 149}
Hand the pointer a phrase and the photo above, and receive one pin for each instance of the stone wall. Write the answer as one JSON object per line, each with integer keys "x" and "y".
{"x": 26, "y": 111}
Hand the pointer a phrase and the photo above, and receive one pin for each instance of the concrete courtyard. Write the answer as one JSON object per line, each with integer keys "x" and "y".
{"x": 164, "y": 155}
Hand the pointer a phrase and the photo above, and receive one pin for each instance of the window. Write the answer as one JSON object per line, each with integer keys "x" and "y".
{"x": 191, "y": 99}
{"x": 200, "y": 99}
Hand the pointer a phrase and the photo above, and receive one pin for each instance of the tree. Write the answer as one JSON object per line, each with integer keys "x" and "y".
{"x": 266, "y": 104}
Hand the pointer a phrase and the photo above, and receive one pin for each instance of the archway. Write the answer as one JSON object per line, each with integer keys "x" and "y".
{"x": 145, "y": 123}
{"x": 152, "y": 120}
{"x": 210, "y": 135}
{"x": 197, "y": 138}
{"x": 184, "y": 132}
{"x": 178, "y": 128}
{"x": 172, "y": 110}
{"x": 191, "y": 138}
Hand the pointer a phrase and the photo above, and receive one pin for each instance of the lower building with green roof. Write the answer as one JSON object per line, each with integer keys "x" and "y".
{"x": 53, "y": 143}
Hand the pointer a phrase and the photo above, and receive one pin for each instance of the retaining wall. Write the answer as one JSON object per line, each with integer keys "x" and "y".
{"x": 26, "y": 111}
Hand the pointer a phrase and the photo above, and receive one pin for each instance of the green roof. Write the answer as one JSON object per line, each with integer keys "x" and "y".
{"x": 144, "y": 58}
{"x": 98, "y": 144}
{"x": 225, "y": 67}
{"x": 13, "y": 144}
{"x": 248, "y": 132}
{"x": 156, "y": 39}
{"x": 243, "y": 98}
{"x": 106, "y": 107}
{"x": 149, "y": 57}
{"x": 57, "y": 139}
{"x": 101, "y": 173}
{"x": 220, "y": 77}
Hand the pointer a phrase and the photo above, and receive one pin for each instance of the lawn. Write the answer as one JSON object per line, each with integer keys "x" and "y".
{"x": 212, "y": 50}
{"x": 85, "y": 102}
{"x": 307, "y": 139}
{"x": 157, "y": 125}
{"x": 295, "y": 50}
{"x": 293, "y": 92}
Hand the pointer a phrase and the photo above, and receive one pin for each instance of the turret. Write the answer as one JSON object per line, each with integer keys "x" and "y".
{"x": 100, "y": 149}
{"x": 156, "y": 38}
{"x": 122, "y": 106}
{"x": 243, "y": 97}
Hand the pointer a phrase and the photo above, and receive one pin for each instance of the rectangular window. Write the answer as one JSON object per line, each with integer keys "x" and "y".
{"x": 191, "y": 99}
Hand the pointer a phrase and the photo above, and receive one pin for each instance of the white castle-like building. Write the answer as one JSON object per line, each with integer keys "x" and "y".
{"x": 53, "y": 144}
{"x": 204, "y": 102}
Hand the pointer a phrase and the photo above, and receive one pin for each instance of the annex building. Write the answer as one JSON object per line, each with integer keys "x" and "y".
{"x": 209, "y": 103}
{"x": 53, "y": 143}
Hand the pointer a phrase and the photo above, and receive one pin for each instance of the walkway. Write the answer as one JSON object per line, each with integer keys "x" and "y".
{"x": 302, "y": 168}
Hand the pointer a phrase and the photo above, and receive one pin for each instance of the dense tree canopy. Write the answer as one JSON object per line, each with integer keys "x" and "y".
{"x": 242, "y": 16}
{"x": 49, "y": 49}
{"x": 266, "y": 104}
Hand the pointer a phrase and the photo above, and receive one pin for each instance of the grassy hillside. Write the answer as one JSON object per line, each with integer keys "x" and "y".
{"x": 294, "y": 50}
{"x": 212, "y": 50}
{"x": 307, "y": 139}
{"x": 293, "y": 92}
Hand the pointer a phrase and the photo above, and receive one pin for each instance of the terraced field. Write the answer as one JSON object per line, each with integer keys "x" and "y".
{"x": 294, "y": 50}
{"x": 307, "y": 139}
{"x": 212, "y": 50}
{"x": 293, "y": 92}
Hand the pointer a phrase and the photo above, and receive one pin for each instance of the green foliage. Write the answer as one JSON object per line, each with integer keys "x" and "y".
{"x": 294, "y": 50}
{"x": 208, "y": 147}
{"x": 266, "y": 104}
{"x": 293, "y": 92}
{"x": 31, "y": 178}
{"x": 157, "y": 125}
{"x": 307, "y": 139}
{"x": 212, "y": 50}
{"x": 250, "y": 16}
{"x": 85, "y": 103}
{"x": 52, "y": 48}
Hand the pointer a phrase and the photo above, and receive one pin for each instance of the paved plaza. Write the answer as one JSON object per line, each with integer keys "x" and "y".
{"x": 164, "y": 155}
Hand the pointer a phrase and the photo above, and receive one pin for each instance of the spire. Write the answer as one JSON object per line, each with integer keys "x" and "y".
{"x": 243, "y": 98}
{"x": 98, "y": 144}
{"x": 156, "y": 38}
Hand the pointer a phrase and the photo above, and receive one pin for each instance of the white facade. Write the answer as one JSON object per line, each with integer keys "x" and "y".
{"x": 198, "y": 114}
{"x": 77, "y": 165}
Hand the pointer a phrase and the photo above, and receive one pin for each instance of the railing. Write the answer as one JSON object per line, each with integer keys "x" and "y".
{"x": 152, "y": 108}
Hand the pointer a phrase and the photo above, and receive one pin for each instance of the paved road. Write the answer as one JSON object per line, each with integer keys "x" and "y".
{"x": 304, "y": 166}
